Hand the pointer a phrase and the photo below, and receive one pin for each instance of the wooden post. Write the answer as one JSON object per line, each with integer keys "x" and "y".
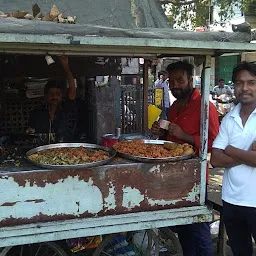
{"x": 145, "y": 96}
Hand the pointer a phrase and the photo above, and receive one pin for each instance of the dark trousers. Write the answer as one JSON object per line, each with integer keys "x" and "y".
{"x": 195, "y": 239}
{"x": 166, "y": 112}
{"x": 240, "y": 223}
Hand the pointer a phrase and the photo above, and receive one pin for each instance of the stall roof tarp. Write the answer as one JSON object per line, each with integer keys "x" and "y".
{"x": 111, "y": 18}
{"x": 111, "y": 13}
{"x": 139, "y": 25}
{"x": 20, "y": 26}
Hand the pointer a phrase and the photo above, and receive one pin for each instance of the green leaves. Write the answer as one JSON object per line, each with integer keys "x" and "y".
{"x": 189, "y": 14}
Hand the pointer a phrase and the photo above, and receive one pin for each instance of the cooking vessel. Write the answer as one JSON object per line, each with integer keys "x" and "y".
{"x": 109, "y": 140}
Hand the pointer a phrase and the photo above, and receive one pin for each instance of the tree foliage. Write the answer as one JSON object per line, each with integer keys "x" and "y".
{"x": 197, "y": 13}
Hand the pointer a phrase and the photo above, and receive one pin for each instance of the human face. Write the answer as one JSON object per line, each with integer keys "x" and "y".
{"x": 180, "y": 84}
{"x": 221, "y": 84}
{"x": 164, "y": 77}
{"x": 245, "y": 88}
{"x": 54, "y": 96}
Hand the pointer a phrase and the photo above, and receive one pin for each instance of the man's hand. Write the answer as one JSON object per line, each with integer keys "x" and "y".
{"x": 156, "y": 130}
{"x": 63, "y": 60}
{"x": 30, "y": 131}
{"x": 176, "y": 131}
{"x": 220, "y": 159}
{"x": 228, "y": 149}
{"x": 247, "y": 157}
{"x": 253, "y": 147}
{"x": 71, "y": 81}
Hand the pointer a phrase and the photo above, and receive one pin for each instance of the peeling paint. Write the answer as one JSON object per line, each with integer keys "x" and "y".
{"x": 194, "y": 193}
{"x": 154, "y": 202}
{"x": 78, "y": 205}
{"x": 155, "y": 169}
{"x": 58, "y": 198}
{"x": 132, "y": 197}
{"x": 201, "y": 218}
{"x": 110, "y": 201}
{"x": 195, "y": 172}
{"x": 9, "y": 204}
{"x": 192, "y": 197}
{"x": 50, "y": 195}
{"x": 35, "y": 201}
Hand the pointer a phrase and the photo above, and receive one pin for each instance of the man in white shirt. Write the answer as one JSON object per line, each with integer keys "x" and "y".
{"x": 235, "y": 149}
{"x": 221, "y": 88}
{"x": 162, "y": 82}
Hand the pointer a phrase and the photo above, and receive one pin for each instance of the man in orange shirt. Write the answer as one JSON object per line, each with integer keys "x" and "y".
{"x": 184, "y": 116}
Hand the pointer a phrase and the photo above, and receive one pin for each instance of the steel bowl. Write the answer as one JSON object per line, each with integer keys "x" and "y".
{"x": 111, "y": 152}
{"x": 155, "y": 160}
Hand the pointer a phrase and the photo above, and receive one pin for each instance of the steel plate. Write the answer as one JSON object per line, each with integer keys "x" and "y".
{"x": 156, "y": 160}
{"x": 111, "y": 152}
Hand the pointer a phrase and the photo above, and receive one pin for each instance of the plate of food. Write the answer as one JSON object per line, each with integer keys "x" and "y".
{"x": 154, "y": 150}
{"x": 70, "y": 155}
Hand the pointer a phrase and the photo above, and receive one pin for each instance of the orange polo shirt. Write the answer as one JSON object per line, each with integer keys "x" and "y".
{"x": 189, "y": 120}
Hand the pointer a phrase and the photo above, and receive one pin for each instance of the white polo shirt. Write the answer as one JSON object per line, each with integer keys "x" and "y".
{"x": 239, "y": 182}
{"x": 225, "y": 90}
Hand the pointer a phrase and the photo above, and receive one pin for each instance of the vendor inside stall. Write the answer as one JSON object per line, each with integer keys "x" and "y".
{"x": 51, "y": 117}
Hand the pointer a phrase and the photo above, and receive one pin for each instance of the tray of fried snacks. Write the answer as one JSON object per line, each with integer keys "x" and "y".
{"x": 154, "y": 150}
{"x": 70, "y": 155}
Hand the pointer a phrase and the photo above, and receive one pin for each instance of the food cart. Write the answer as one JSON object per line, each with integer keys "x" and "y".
{"x": 40, "y": 205}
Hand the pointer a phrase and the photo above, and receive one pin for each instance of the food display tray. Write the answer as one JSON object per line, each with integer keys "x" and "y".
{"x": 155, "y": 160}
{"x": 111, "y": 152}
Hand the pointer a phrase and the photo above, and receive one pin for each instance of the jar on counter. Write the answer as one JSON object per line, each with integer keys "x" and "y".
{"x": 110, "y": 139}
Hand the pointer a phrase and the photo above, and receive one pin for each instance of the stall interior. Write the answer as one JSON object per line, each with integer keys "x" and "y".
{"x": 105, "y": 99}
{"x": 103, "y": 95}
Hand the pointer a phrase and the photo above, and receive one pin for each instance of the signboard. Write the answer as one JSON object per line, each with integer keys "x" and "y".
{"x": 158, "y": 96}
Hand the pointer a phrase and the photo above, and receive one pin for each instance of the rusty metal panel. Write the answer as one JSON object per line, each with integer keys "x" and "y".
{"x": 51, "y": 195}
{"x": 57, "y": 230}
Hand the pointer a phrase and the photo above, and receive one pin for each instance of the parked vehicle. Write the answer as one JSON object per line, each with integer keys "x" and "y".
{"x": 224, "y": 104}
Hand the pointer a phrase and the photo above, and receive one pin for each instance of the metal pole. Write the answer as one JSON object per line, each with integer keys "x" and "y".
{"x": 205, "y": 91}
{"x": 145, "y": 96}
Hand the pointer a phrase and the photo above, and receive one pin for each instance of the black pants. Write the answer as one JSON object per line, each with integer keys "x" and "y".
{"x": 195, "y": 239}
{"x": 240, "y": 223}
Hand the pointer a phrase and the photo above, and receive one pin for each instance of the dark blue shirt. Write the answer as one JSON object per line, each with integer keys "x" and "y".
{"x": 40, "y": 120}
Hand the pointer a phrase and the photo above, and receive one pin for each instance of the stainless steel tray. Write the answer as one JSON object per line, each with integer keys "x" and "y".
{"x": 111, "y": 152}
{"x": 155, "y": 160}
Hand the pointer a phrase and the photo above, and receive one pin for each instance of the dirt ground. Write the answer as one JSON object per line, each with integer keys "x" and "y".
{"x": 214, "y": 194}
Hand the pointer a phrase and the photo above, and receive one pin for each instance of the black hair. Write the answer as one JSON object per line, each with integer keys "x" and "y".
{"x": 162, "y": 72}
{"x": 248, "y": 66}
{"x": 221, "y": 79}
{"x": 159, "y": 74}
{"x": 181, "y": 65}
{"x": 53, "y": 84}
